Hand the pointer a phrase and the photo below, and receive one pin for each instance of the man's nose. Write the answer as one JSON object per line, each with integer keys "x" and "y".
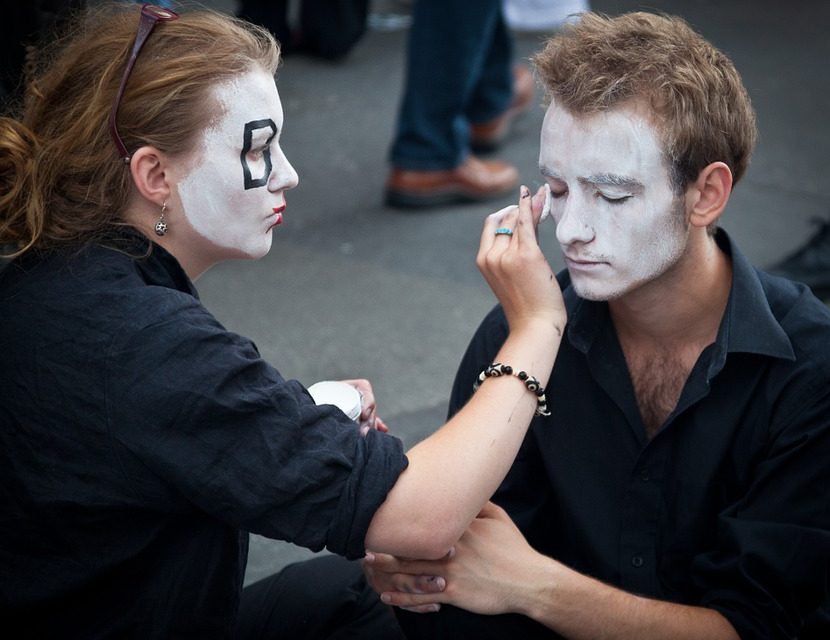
{"x": 573, "y": 225}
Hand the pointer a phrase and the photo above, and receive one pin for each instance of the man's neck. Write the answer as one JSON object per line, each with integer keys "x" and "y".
{"x": 663, "y": 327}
{"x": 683, "y": 307}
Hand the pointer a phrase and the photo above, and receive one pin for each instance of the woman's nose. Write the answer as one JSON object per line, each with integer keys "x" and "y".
{"x": 283, "y": 176}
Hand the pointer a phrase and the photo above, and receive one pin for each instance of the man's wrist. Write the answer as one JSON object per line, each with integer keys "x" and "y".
{"x": 538, "y": 599}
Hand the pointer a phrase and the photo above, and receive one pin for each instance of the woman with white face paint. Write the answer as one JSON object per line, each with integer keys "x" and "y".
{"x": 140, "y": 441}
{"x": 232, "y": 194}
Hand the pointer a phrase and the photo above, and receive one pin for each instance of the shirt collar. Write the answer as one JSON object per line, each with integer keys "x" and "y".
{"x": 155, "y": 264}
{"x": 748, "y": 324}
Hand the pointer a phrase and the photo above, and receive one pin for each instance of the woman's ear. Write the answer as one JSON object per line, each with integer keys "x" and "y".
{"x": 148, "y": 167}
{"x": 707, "y": 196}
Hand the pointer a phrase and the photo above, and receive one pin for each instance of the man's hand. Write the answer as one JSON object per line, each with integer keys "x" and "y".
{"x": 388, "y": 574}
{"x": 487, "y": 571}
{"x": 493, "y": 570}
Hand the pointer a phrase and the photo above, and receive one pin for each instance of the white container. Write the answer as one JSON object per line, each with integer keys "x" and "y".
{"x": 340, "y": 394}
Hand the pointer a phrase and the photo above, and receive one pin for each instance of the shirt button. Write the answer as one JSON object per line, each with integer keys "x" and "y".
{"x": 637, "y": 561}
{"x": 644, "y": 475}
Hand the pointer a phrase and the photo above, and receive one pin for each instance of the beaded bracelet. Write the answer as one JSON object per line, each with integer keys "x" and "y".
{"x": 497, "y": 369}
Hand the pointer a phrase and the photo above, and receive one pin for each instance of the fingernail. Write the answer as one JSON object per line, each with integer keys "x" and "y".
{"x": 369, "y": 557}
{"x": 385, "y": 599}
{"x": 525, "y": 191}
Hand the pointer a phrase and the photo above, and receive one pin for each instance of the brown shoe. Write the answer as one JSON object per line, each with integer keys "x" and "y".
{"x": 474, "y": 180}
{"x": 486, "y": 136}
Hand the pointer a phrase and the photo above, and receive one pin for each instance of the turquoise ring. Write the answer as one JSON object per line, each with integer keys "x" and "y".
{"x": 504, "y": 231}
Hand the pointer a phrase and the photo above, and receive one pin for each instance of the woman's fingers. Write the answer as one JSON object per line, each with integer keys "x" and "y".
{"x": 530, "y": 213}
{"x": 514, "y": 265}
{"x": 498, "y": 220}
{"x": 502, "y": 228}
{"x": 498, "y": 231}
{"x": 502, "y": 225}
{"x": 368, "y": 418}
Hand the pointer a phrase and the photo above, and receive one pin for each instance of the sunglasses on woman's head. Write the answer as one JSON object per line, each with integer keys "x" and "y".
{"x": 150, "y": 15}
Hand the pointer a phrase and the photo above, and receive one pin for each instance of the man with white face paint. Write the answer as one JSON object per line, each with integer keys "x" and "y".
{"x": 618, "y": 220}
{"x": 673, "y": 490}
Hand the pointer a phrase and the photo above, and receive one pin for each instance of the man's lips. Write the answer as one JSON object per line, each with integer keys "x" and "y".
{"x": 582, "y": 263}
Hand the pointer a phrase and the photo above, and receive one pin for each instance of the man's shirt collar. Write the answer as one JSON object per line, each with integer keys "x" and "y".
{"x": 748, "y": 324}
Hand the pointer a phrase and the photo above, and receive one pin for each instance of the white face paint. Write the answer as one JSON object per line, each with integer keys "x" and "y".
{"x": 546, "y": 206}
{"x": 618, "y": 221}
{"x": 234, "y": 195}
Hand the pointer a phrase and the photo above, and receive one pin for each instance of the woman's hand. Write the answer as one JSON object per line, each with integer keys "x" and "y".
{"x": 515, "y": 268}
{"x": 368, "y": 413}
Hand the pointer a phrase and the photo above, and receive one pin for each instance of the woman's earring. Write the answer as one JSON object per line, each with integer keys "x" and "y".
{"x": 161, "y": 225}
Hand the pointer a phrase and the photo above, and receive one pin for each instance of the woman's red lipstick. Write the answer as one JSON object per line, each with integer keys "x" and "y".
{"x": 278, "y": 211}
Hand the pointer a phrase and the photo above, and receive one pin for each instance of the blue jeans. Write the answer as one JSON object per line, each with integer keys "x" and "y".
{"x": 458, "y": 71}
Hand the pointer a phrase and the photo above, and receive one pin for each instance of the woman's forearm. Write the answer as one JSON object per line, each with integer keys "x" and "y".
{"x": 453, "y": 472}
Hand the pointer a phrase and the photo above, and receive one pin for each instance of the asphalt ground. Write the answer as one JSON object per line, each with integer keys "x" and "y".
{"x": 354, "y": 289}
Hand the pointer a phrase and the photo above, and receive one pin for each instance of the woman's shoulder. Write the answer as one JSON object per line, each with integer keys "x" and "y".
{"x": 97, "y": 288}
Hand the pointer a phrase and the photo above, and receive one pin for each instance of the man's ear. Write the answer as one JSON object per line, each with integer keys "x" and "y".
{"x": 707, "y": 196}
{"x": 148, "y": 167}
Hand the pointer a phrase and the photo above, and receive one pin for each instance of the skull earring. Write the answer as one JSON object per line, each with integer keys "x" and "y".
{"x": 161, "y": 225}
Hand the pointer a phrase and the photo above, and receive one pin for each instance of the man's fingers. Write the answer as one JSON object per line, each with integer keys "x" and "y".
{"x": 384, "y": 562}
{"x": 424, "y": 608}
{"x": 406, "y": 600}
{"x": 426, "y": 584}
{"x": 392, "y": 565}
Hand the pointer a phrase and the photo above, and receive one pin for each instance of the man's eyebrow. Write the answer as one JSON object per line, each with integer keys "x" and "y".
{"x": 598, "y": 179}
{"x": 612, "y": 180}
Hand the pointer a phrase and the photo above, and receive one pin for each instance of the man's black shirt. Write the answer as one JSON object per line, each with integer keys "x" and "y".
{"x": 728, "y": 505}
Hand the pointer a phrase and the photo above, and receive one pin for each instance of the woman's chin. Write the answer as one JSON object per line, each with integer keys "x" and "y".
{"x": 261, "y": 249}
